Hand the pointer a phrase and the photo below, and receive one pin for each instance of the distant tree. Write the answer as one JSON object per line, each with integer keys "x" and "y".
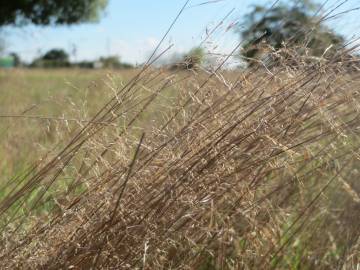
{"x": 287, "y": 25}
{"x": 56, "y": 55}
{"x": 52, "y": 58}
{"x": 40, "y": 12}
{"x": 17, "y": 60}
{"x": 114, "y": 62}
{"x": 110, "y": 61}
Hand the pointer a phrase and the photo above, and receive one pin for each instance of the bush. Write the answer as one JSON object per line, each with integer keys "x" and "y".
{"x": 40, "y": 63}
{"x": 114, "y": 62}
{"x": 84, "y": 64}
{"x": 54, "y": 58}
{"x": 191, "y": 60}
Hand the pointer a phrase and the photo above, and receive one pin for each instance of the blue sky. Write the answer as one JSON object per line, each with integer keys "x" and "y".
{"x": 132, "y": 28}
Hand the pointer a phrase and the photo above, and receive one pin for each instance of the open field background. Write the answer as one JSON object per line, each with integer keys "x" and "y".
{"x": 40, "y": 94}
{"x": 39, "y": 108}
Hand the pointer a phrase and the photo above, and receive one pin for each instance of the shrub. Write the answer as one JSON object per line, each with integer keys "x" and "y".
{"x": 114, "y": 62}
{"x": 54, "y": 58}
{"x": 191, "y": 60}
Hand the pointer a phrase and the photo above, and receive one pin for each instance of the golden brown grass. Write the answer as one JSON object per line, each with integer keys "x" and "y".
{"x": 255, "y": 171}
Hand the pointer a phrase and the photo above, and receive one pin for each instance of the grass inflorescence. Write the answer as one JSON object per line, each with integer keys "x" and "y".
{"x": 199, "y": 169}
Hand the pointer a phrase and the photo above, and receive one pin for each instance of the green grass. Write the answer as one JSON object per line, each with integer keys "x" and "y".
{"x": 68, "y": 94}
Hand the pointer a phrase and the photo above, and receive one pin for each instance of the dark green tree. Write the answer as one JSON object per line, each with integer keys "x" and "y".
{"x": 41, "y": 12}
{"x": 52, "y": 58}
{"x": 292, "y": 25}
{"x": 56, "y": 55}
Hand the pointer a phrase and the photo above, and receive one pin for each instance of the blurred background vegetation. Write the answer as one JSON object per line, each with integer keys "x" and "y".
{"x": 295, "y": 23}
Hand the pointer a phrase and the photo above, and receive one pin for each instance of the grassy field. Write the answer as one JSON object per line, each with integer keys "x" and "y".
{"x": 54, "y": 94}
{"x": 40, "y": 108}
{"x": 180, "y": 170}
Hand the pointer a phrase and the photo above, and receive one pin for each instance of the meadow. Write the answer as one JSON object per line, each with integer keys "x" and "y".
{"x": 38, "y": 106}
{"x": 169, "y": 169}
{"x": 36, "y": 101}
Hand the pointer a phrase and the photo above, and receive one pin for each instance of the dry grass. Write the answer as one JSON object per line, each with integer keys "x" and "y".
{"x": 255, "y": 171}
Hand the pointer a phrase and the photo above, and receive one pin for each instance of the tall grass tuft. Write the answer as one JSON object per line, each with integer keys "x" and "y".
{"x": 255, "y": 169}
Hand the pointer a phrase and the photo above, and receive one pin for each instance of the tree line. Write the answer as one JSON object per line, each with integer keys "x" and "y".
{"x": 59, "y": 58}
{"x": 294, "y": 24}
